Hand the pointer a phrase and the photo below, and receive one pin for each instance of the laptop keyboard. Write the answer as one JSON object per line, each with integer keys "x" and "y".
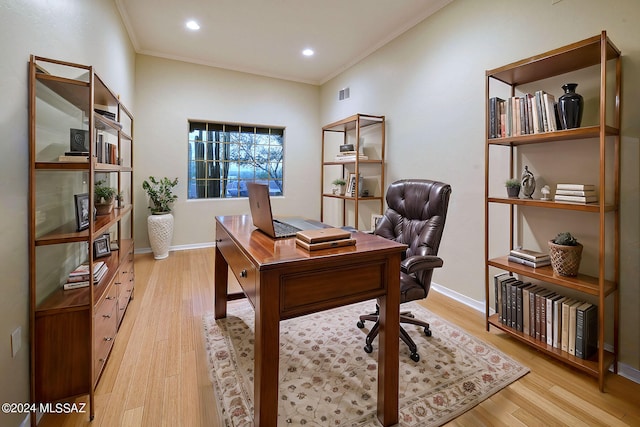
{"x": 284, "y": 230}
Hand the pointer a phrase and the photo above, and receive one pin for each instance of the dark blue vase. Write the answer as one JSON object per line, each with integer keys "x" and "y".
{"x": 570, "y": 107}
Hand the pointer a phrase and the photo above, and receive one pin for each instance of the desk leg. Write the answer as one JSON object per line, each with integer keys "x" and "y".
{"x": 220, "y": 285}
{"x": 388, "y": 358}
{"x": 266, "y": 350}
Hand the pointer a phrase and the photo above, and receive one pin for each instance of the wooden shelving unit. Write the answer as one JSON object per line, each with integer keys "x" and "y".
{"x": 72, "y": 331}
{"x": 597, "y": 50}
{"x": 351, "y": 131}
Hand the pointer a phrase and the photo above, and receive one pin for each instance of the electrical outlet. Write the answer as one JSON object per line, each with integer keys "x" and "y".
{"x": 16, "y": 341}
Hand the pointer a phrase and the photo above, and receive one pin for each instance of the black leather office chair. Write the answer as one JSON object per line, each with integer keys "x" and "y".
{"x": 416, "y": 213}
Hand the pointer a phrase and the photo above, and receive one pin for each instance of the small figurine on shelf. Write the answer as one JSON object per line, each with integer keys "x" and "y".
{"x": 545, "y": 193}
{"x": 528, "y": 183}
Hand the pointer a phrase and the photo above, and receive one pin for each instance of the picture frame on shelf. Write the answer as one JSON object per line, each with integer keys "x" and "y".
{"x": 78, "y": 140}
{"x": 82, "y": 211}
{"x": 101, "y": 246}
{"x": 375, "y": 219}
{"x": 351, "y": 185}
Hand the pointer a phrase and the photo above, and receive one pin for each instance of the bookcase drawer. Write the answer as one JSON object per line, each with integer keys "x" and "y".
{"x": 105, "y": 328}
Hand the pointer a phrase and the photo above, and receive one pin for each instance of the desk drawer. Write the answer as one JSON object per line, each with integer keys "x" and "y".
{"x": 244, "y": 271}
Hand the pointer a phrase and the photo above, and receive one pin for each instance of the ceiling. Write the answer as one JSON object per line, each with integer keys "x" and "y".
{"x": 266, "y": 37}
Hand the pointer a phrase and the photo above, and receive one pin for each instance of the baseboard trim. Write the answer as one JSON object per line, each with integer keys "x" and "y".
{"x": 179, "y": 247}
{"x": 624, "y": 370}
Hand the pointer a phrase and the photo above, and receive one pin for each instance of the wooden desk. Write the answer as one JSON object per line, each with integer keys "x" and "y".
{"x": 283, "y": 281}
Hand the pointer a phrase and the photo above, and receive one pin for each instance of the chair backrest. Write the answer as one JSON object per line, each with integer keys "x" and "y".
{"x": 415, "y": 216}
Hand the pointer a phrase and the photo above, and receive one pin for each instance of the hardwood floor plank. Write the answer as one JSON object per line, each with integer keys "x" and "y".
{"x": 161, "y": 334}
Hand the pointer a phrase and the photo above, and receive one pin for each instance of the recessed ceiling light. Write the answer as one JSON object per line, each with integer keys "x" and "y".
{"x": 307, "y": 52}
{"x": 193, "y": 25}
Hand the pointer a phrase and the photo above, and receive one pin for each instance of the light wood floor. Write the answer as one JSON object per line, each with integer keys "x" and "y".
{"x": 157, "y": 374}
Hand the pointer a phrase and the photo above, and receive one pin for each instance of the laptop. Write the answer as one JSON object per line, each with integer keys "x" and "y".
{"x": 260, "y": 205}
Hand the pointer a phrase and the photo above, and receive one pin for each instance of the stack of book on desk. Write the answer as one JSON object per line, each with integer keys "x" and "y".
{"x": 79, "y": 278}
{"x": 324, "y": 238}
{"x": 529, "y": 258}
{"x": 577, "y": 193}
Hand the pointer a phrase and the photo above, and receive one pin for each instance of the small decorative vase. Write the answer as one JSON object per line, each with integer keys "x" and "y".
{"x": 160, "y": 228}
{"x": 570, "y": 107}
{"x": 565, "y": 260}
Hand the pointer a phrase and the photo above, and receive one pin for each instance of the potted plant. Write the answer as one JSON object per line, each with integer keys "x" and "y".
{"x": 565, "y": 253}
{"x": 103, "y": 197}
{"x": 160, "y": 222}
{"x": 513, "y": 187}
{"x": 339, "y": 186}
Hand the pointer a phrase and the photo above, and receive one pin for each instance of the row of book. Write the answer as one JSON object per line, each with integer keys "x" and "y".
{"x": 564, "y": 323}
{"x": 523, "y": 115}
{"x": 80, "y": 277}
{"x": 106, "y": 152}
{"x": 578, "y": 193}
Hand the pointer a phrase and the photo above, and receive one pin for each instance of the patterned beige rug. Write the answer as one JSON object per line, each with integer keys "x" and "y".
{"x": 326, "y": 378}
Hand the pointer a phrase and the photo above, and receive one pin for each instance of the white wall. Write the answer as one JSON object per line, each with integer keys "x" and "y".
{"x": 85, "y": 32}
{"x": 169, "y": 93}
{"x": 430, "y": 85}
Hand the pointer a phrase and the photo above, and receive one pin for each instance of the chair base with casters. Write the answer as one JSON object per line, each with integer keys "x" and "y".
{"x": 405, "y": 317}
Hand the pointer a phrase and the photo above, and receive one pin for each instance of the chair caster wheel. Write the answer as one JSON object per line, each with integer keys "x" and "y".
{"x": 360, "y": 324}
{"x": 427, "y": 332}
{"x": 368, "y": 348}
{"x": 415, "y": 357}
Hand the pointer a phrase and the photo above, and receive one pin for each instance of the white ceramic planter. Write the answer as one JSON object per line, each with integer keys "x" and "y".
{"x": 160, "y": 228}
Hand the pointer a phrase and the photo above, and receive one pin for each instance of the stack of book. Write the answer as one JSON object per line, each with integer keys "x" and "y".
{"x": 577, "y": 193}
{"x": 80, "y": 277}
{"x": 350, "y": 156}
{"x": 529, "y": 258}
{"x": 554, "y": 319}
{"x": 324, "y": 238}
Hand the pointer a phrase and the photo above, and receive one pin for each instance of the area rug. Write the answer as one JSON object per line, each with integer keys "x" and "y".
{"x": 326, "y": 378}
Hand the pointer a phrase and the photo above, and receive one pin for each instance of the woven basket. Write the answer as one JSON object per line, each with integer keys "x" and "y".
{"x": 565, "y": 260}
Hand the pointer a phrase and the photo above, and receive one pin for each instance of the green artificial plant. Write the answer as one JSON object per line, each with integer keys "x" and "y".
{"x": 160, "y": 193}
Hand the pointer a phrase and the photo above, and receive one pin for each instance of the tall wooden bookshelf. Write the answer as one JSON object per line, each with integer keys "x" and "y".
{"x": 367, "y": 135}
{"x": 601, "y": 54}
{"x": 72, "y": 331}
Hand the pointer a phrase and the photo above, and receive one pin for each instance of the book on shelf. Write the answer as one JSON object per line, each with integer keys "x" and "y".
{"x": 497, "y": 292}
{"x": 83, "y": 269}
{"x": 572, "y": 327}
{"x": 77, "y": 153}
{"x": 557, "y": 321}
{"x": 526, "y": 312}
{"x": 575, "y": 199}
{"x": 533, "y": 264}
{"x": 74, "y": 159}
{"x": 105, "y": 113}
{"x": 529, "y": 254}
{"x": 77, "y": 285}
{"x": 551, "y": 304}
{"x": 564, "y": 337}
{"x": 540, "y": 313}
{"x": 350, "y": 156}
{"x": 569, "y": 186}
{"x": 576, "y": 192}
{"x": 586, "y": 330}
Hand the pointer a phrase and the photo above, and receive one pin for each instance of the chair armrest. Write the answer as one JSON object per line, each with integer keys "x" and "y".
{"x": 418, "y": 263}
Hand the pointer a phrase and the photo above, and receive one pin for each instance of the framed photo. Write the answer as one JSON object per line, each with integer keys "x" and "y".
{"x": 375, "y": 218}
{"x": 82, "y": 211}
{"x": 79, "y": 140}
{"x": 351, "y": 185}
{"x": 101, "y": 246}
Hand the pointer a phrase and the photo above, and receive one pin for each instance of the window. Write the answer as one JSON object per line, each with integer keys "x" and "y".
{"x": 223, "y": 157}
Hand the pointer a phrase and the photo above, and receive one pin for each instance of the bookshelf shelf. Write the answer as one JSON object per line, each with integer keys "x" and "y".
{"x": 603, "y": 287}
